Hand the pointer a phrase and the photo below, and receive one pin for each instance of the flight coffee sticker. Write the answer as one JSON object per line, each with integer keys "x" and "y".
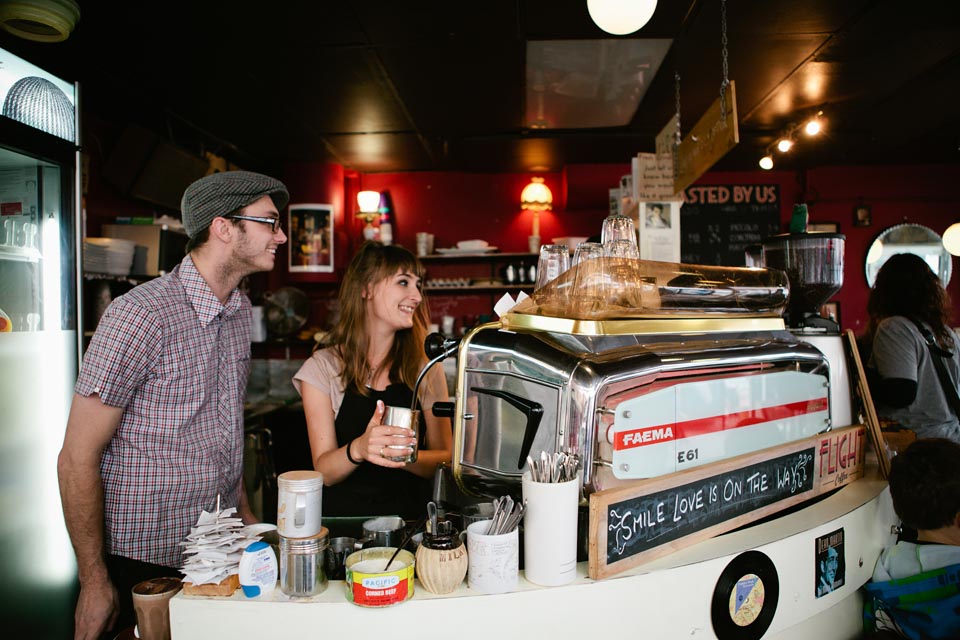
{"x": 830, "y": 566}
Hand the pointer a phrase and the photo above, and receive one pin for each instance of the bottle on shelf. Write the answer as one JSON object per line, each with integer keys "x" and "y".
{"x": 386, "y": 218}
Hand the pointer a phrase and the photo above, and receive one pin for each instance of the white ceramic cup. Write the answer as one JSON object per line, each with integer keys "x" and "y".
{"x": 493, "y": 560}
{"x": 299, "y": 502}
{"x": 446, "y": 325}
{"x": 550, "y": 531}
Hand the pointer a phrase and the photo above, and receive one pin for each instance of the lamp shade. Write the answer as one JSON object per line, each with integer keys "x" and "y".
{"x": 620, "y": 17}
{"x": 951, "y": 239}
{"x": 40, "y": 20}
{"x": 536, "y": 196}
{"x": 368, "y": 201}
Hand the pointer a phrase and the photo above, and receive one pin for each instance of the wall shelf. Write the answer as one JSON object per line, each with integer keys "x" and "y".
{"x": 435, "y": 258}
{"x": 478, "y": 288}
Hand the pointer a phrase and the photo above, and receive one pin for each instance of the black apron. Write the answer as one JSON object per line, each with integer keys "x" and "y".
{"x": 372, "y": 490}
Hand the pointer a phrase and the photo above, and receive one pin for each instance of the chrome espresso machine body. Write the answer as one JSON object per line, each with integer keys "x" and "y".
{"x": 634, "y": 397}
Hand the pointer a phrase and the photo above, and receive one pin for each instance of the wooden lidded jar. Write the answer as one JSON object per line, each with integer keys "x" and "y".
{"x": 441, "y": 559}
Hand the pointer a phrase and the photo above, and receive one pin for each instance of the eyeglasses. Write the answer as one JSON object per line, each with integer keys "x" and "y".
{"x": 273, "y": 222}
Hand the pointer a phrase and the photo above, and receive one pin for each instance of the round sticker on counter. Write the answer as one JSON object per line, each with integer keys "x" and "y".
{"x": 745, "y": 597}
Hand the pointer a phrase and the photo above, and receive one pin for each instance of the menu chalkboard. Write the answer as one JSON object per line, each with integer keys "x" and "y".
{"x": 718, "y": 222}
{"x": 644, "y": 522}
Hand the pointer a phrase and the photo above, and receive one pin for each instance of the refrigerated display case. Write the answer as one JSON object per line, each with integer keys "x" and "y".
{"x": 39, "y": 340}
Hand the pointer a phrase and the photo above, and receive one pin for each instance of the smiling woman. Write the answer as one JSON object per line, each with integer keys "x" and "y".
{"x": 375, "y": 357}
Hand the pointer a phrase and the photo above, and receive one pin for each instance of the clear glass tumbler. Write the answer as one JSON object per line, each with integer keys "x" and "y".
{"x": 618, "y": 228}
{"x": 554, "y": 260}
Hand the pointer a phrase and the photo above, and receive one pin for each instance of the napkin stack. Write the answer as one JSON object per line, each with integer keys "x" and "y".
{"x": 213, "y": 550}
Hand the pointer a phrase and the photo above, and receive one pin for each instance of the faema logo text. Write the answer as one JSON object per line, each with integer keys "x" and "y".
{"x": 642, "y": 437}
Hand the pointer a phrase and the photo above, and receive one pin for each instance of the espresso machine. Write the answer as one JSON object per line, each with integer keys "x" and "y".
{"x": 698, "y": 368}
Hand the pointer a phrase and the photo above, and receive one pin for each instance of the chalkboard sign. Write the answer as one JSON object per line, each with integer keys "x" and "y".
{"x": 718, "y": 222}
{"x": 640, "y": 521}
{"x": 644, "y": 522}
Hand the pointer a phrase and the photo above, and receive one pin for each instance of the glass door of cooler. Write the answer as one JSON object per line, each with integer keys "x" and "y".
{"x": 38, "y": 366}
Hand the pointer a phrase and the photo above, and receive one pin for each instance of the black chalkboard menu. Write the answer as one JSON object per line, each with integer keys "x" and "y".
{"x": 643, "y": 522}
{"x": 718, "y": 222}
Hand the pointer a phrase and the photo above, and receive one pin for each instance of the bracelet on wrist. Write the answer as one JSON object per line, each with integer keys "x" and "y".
{"x": 349, "y": 457}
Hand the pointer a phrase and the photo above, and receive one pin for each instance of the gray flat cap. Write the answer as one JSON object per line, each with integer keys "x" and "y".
{"x": 221, "y": 194}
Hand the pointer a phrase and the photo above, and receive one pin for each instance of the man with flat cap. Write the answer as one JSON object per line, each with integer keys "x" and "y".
{"x": 155, "y": 432}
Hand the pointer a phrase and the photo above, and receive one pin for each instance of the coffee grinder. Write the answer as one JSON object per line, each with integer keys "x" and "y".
{"x": 813, "y": 263}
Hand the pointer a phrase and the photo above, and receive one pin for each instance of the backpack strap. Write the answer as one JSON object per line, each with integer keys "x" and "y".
{"x": 937, "y": 354}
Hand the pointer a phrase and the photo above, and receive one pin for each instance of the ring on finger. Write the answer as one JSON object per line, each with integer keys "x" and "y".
{"x": 381, "y": 451}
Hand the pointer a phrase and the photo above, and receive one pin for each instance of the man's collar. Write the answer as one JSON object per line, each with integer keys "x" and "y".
{"x": 201, "y": 296}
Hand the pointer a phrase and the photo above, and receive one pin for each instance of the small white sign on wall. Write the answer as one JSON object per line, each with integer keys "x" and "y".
{"x": 659, "y": 230}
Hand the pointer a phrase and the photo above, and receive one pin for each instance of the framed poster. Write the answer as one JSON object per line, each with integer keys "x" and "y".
{"x": 311, "y": 238}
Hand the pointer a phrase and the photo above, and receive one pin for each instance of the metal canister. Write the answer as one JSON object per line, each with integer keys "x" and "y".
{"x": 371, "y": 583}
{"x": 302, "y": 572}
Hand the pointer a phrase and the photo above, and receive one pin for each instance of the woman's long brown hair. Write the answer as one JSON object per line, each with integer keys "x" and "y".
{"x": 905, "y": 286}
{"x": 373, "y": 262}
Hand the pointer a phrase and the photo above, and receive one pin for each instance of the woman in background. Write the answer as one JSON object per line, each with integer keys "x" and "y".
{"x": 908, "y": 300}
{"x": 375, "y": 356}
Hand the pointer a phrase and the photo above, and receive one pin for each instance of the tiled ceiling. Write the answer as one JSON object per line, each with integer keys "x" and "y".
{"x": 440, "y": 84}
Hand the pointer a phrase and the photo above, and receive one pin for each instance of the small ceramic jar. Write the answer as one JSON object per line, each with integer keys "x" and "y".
{"x": 441, "y": 560}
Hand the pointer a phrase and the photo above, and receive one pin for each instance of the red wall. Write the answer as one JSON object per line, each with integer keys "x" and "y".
{"x": 925, "y": 195}
{"x": 460, "y": 206}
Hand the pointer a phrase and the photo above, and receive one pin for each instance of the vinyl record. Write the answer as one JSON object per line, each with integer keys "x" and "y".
{"x": 745, "y": 597}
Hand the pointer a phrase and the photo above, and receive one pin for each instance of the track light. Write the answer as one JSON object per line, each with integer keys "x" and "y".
{"x": 811, "y": 125}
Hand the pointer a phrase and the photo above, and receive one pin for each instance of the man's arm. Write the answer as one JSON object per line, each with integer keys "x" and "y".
{"x": 90, "y": 427}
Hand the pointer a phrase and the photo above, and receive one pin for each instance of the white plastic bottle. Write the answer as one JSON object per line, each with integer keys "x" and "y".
{"x": 258, "y": 570}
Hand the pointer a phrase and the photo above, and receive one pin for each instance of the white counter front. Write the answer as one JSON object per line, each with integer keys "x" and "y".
{"x": 667, "y": 598}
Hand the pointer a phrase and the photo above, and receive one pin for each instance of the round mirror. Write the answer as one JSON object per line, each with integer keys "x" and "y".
{"x": 909, "y": 238}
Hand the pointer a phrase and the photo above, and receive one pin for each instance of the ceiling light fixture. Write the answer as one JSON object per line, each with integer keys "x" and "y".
{"x": 766, "y": 162}
{"x": 620, "y": 17}
{"x": 812, "y": 127}
{"x": 40, "y": 20}
{"x": 951, "y": 239}
{"x": 784, "y": 145}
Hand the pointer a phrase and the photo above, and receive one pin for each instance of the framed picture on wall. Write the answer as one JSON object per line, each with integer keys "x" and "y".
{"x": 862, "y": 216}
{"x": 831, "y": 311}
{"x": 310, "y": 232}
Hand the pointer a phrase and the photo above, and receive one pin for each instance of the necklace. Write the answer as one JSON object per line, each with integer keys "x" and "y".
{"x": 372, "y": 371}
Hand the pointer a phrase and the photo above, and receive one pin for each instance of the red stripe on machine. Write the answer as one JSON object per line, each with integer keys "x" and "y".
{"x": 702, "y": 426}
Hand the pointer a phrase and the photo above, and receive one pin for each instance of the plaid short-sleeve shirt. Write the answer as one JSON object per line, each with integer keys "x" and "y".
{"x": 176, "y": 360}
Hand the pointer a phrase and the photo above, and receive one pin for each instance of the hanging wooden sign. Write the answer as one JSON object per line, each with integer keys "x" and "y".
{"x": 634, "y": 524}
{"x": 710, "y": 139}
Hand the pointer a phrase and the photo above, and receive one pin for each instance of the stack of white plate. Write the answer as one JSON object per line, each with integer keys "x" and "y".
{"x": 108, "y": 255}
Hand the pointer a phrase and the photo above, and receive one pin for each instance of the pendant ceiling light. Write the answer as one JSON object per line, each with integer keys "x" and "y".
{"x": 620, "y": 17}
{"x": 39, "y": 20}
{"x": 951, "y": 239}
